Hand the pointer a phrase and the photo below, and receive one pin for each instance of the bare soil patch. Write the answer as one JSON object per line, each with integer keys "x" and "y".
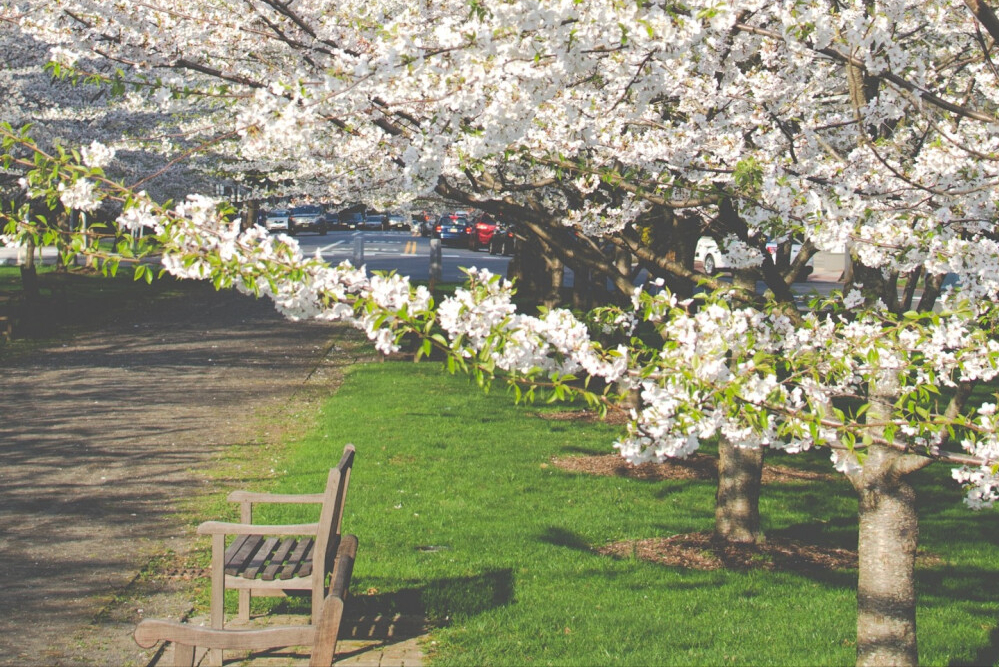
{"x": 702, "y": 551}
{"x": 698, "y": 466}
{"x": 699, "y": 551}
{"x": 616, "y": 417}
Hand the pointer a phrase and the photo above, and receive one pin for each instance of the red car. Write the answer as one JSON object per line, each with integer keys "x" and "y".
{"x": 482, "y": 233}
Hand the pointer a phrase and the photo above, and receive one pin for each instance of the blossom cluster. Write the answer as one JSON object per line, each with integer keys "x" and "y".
{"x": 599, "y": 114}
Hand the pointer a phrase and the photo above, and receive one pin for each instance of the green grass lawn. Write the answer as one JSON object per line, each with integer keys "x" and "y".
{"x": 461, "y": 517}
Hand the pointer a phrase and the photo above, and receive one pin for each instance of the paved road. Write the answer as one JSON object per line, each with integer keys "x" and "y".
{"x": 403, "y": 252}
{"x": 100, "y": 438}
{"x": 381, "y": 251}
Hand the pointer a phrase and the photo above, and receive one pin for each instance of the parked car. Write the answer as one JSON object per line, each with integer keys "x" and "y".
{"x": 353, "y": 220}
{"x": 307, "y": 219}
{"x": 503, "y": 241}
{"x": 453, "y": 230}
{"x": 710, "y": 255}
{"x": 276, "y": 220}
{"x": 331, "y": 220}
{"x": 372, "y": 221}
{"x": 398, "y": 222}
{"x": 775, "y": 248}
{"x": 482, "y": 233}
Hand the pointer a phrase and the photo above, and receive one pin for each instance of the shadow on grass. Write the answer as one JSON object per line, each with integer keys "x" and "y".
{"x": 561, "y": 537}
{"x": 839, "y": 532}
{"x": 987, "y": 655}
{"x": 438, "y": 601}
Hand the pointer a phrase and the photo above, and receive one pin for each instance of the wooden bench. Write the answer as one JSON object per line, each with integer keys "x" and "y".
{"x": 322, "y": 634}
{"x": 269, "y": 560}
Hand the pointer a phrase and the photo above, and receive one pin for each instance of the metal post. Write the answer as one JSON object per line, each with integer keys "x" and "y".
{"x": 358, "y": 249}
{"x": 435, "y": 263}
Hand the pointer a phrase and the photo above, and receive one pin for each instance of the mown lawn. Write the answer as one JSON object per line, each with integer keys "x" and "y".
{"x": 462, "y": 517}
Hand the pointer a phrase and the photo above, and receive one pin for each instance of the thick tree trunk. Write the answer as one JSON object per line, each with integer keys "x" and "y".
{"x": 886, "y": 587}
{"x": 555, "y": 275}
{"x": 740, "y": 475}
{"x": 526, "y": 267}
{"x": 582, "y": 289}
{"x": 737, "y": 503}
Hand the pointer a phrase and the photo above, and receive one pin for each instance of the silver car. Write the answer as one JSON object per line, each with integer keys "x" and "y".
{"x": 307, "y": 219}
{"x": 277, "y": 220}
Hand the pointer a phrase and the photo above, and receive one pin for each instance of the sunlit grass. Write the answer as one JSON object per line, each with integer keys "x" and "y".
{"x": 461, "y": 517}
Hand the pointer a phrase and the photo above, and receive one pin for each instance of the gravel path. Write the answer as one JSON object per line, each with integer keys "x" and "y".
{"x": 99, "y": 440}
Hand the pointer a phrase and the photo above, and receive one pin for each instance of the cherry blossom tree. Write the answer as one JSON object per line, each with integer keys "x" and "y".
{"x": 869, "y": 125}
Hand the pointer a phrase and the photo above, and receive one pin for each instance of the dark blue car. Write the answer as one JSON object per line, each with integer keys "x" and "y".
{"x": 453, "y": 230}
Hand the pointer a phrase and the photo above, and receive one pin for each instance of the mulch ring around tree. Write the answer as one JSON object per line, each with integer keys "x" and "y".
{"x": 701, "y": 551}
{"x": 698, "y": 466}
{"x": 616, "y": 417}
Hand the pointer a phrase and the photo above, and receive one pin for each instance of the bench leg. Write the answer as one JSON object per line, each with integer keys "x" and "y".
{"x": 183, "y": 656}
{"x": 318, "y": 595}
{"x": 218, "y": 594}
{"x": 244, "y": 605}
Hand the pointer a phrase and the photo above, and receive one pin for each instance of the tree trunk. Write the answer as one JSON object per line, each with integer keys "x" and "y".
{"x": 526, "y": 267}
{"x": 29, "y": 275}
{"x": 740, "y": 475}
{"x": 737, "y": 503}
{"x": 886, "y": 587}
{"x": 555, "y": 275}
{"x": 251, "y": 211}
{"x": 582, "y": 290}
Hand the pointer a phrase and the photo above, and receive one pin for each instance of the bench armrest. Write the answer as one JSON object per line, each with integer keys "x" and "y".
{"x": 225, "y": 528}
{"x": 343, "y": 567}
{"x": 253, "y": 497}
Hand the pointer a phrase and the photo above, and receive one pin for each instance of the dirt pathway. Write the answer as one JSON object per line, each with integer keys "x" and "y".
{"x": 99, "y": 440}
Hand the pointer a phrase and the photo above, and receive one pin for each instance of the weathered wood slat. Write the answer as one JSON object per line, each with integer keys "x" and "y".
{"x": 305, "y": 568}
{"x": 259, "y": 559}
{"x": 288, "y": 570}
{"x": 278, "y": 559}
{"x": 250, "y": 496}
{"x": 232, "y": 550}
{"x": 243, "y": 555}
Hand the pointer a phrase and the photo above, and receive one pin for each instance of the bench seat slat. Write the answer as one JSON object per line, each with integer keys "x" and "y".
{"x": 302, "y": 550}
{"x": 242, "y": 556}
{"x": 232, "y": 550}
{"x": 305, "y": 569}
{"x": 278, "y": 559}
{"x": 260, "y": 558}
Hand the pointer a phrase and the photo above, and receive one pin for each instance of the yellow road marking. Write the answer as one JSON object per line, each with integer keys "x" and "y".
{"x": 410, "y": 248}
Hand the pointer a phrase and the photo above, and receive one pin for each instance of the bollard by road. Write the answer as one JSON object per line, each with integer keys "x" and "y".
{"x": 358, "y": 249}
{"x": 436, "y": 264}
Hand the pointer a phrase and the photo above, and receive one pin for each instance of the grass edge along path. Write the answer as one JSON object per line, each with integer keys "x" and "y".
{"x": 461, "y": 517}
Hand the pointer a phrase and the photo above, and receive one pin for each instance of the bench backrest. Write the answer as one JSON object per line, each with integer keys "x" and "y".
{"x": 331, "y": 517}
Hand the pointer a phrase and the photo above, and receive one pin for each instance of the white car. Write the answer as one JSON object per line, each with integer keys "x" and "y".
{"x": 712, "y": 258}
{"x": 710, "y": 255}
{"x": 277, "y": 220}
